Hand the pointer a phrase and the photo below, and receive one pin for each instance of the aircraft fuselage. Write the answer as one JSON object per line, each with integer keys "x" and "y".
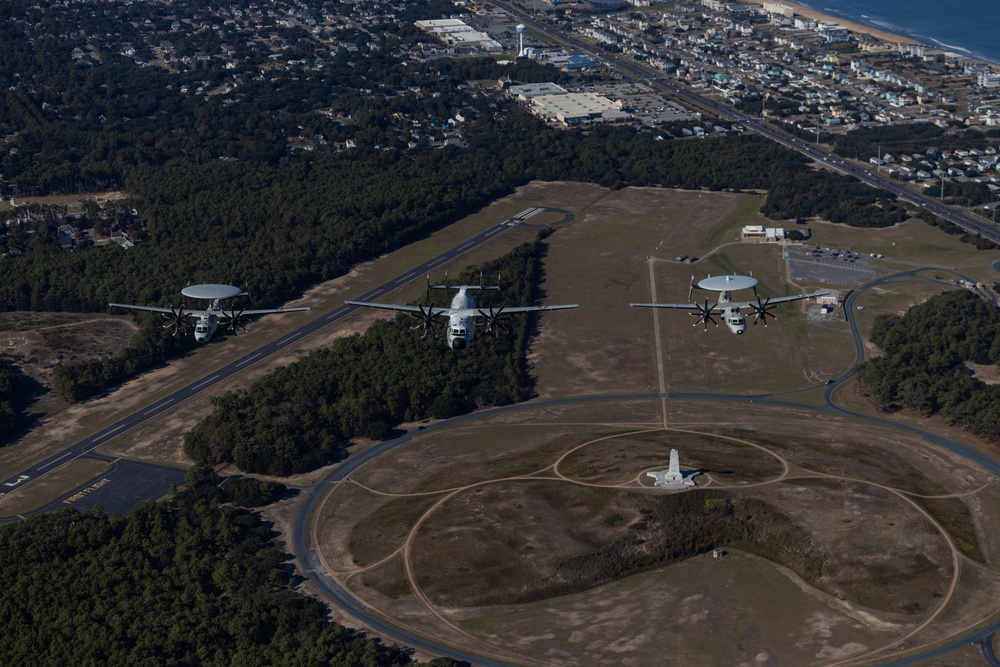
{"x": 208, "y": 322}
{"x": 731, "y": 314}
{"x": 461, "y": 328}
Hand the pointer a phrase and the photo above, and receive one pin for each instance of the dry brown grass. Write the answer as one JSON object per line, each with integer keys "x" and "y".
{"x": 886, "y": 563}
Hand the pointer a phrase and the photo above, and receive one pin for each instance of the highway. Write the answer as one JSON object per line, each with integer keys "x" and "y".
{"x": 88, "y": 444}
{"x": 337, "y": 595}
{"x": 692, "y": 99}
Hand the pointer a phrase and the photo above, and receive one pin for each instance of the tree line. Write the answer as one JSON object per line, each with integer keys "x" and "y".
{"x": 11, "y": 416}
{"x": 833, "y": 197}
{"x": 924, "y": 359}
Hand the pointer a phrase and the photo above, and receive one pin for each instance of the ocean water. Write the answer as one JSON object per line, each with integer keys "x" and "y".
{"x": 968, "y": 27}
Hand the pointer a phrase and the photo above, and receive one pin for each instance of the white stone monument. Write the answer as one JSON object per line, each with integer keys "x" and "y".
{"x": 672, "y": 477}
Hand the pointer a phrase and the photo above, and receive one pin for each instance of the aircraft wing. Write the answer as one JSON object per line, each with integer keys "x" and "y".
{"x": 405, "y": 309}
{"x": 154, "y": 309}
{"x": 505, "y": 310}
{"x": 682, "y": 306}
{"x": 782, "y": 299}
{"x": 265, "y": 311}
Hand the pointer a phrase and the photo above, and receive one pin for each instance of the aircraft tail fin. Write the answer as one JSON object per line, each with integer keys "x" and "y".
{"x": 468, "y": 288}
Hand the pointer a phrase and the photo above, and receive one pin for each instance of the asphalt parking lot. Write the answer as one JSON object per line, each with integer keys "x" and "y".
{"x": 830, "y": 265}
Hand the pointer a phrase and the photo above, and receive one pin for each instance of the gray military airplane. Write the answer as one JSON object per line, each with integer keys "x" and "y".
{"x": 210, "y": 318}
{"x": 730, "y": 310}
{"x": 461, "y": 315}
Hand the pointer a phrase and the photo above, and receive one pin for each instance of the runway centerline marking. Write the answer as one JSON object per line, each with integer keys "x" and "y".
{"x": 248, "y": 359}
{"x": 204, "y": 382}
{"x": 158, "y": 407}
{"x": 53, "y": 462}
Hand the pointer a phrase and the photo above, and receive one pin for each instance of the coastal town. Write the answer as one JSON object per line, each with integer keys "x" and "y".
{"x": 816, "y": 79}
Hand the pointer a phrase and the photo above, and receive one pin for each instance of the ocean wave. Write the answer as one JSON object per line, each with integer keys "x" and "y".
{"x": 952, "y": 47}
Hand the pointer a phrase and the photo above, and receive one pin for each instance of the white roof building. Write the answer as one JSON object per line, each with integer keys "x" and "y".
{"x": 459, "y": 35}
{"x": 578, "y": 108}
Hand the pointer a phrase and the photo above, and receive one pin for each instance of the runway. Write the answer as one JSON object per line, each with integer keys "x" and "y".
{"x": 87, "y": 445}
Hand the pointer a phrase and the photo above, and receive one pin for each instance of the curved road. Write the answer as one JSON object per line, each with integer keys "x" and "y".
{"x": 87, "y": 445}
{"x": 337, "y": 595}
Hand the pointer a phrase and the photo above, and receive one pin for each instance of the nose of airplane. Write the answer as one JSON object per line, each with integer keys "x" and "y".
{"x": 458, "y": 344}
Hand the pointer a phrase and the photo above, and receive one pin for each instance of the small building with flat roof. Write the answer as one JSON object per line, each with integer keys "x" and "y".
{"x": 762, "y": 234}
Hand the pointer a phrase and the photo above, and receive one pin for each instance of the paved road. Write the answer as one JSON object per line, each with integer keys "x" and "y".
{"x": 692, "y": 99}
{"x": 338, "y": 596}
{"x": 86, "y": 446}
{"x": 986, "y": 643}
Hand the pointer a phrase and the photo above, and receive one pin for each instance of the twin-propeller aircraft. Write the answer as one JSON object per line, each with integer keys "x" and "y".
{"x": 461, "y": 315}
{"x": 730, "y": 311}
{"x": 212, "y": 317}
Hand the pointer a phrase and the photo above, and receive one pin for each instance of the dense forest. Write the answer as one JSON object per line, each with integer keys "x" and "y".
{"x": 301, "y": 416}
{"x": 10, "y": 387}
{"x": 833, "y": 197}
{"x": 183, "y": 582}
{"x": 923, "y": 365}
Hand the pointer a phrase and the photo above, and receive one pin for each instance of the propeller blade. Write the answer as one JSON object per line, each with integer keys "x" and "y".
{"x": 762, "y": 311}
{"x": 494, "y": 319}
{"x": 704, "y": 314}
{"x": 235, "y": 321}
{"x": 178, "y": 320}
{"x": 427, "y": 321}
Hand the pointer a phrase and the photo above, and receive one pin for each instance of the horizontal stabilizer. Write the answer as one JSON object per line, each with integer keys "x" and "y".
{"x": 467, "y": 288}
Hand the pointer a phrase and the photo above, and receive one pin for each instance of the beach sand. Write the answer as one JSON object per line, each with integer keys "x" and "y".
{"x": 850, "y": 25}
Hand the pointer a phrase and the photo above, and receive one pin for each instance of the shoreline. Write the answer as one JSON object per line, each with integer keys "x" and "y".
{"x": 853, "y": 26}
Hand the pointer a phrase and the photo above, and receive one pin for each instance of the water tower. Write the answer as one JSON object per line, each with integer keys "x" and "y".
{"x": 520, "y": 38}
